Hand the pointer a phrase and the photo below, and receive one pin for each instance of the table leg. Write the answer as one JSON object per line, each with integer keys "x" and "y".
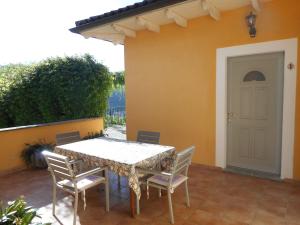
{"x": 132, "y": 203}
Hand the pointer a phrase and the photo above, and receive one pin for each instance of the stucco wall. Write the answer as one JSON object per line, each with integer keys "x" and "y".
{"x": 12, "y": 141}
{"x": 171, "y": 75}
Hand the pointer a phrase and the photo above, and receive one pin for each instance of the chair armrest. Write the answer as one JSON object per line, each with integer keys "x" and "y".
{"x": 154, "y": 172}
{"x": 76, "y": 161}
{"x": 90, "y": 172}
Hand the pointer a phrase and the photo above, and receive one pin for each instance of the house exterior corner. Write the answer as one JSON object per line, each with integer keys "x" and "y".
{"x": 171, "y": 75}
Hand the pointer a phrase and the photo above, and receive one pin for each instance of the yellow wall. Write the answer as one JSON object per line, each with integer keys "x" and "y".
{"x": 171, "y": 75}
{"x": 12, "y": 142}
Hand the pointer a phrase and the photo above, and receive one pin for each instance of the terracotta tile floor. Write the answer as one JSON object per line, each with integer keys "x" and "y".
{"x": 216, "y": 198}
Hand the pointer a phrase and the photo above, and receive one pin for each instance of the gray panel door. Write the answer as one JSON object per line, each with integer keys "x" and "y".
{"x": 255, "y": 96}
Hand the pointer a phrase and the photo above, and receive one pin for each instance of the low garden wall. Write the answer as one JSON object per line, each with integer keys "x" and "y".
{"x": 13, "y": 140}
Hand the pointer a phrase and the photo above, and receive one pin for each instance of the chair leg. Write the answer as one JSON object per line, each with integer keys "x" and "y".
{"x": 138, "y": 211}
{"x": 119, "y": 182}
{"x": 170, "y": 207}
{"x": 107, "y": 195}
{"x": 159, "y": 192}
{"x": 83, "y": 199}
{"x": 187, "y": 194}
{"x": 75, "y": 207}
{"x": 54, "y": 199}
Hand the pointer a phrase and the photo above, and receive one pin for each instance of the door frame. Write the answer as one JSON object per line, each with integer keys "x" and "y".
{"x": 289, "y": 47}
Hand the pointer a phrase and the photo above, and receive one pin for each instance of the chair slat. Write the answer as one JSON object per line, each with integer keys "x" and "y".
{"x": 55, "y": 156}
{"x": 148, "y": 137}
{"x": 67, "y": 134}
{"x": 181, "y": 169}
{"x": 66, "y": 138}
{"x": 62, "y": 175}
{"x": 59, "y": 165}
{"x": 185, "y": 153}
{"x": 57, "y": 162}
{"x": 59, "y": 168}
{"x": 185, "y": 162}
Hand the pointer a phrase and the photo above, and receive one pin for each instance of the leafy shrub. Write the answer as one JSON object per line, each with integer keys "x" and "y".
{"x": 118, "y": 79}
{"x": 92, "y": 135}
{"x": 114, "y": 120}
{"x": 17, "y": 212}
{"x": 10, "y": 76}
{"x": 53, "y": 90}
{"x": 33, "y": 157}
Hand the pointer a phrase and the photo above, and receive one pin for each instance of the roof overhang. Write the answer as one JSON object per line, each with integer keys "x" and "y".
{"x": 114, "y": 26}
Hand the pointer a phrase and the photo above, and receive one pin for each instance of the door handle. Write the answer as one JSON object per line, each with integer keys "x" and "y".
{"x": 230, "y": 116}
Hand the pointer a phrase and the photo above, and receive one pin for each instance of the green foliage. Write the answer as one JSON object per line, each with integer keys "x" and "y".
{"x": 56, "y": 89}
{"x": 11, "y": 76}
{"x": 118, "y": 79}
{"x": 32, "y": 154}
{"x": 114, "y": 120}
{"x": 92, "y": 135}
{"x": 18, "y": 213}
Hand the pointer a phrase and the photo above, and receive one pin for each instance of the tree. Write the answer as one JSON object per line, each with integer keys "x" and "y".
{"x": 118, "y": 79}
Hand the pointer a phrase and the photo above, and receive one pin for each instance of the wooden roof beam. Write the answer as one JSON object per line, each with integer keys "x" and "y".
{"x": 124, "y": 30}
{"x": 256, "y": 5}
{"x": 213, "y": 11}
{"x": 147, "y": 24}
{"x": 179, "y": 20}
{"x": 112, "y": 37}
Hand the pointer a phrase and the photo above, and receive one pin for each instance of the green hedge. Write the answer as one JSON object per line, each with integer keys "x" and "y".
{"x": 56, "y": 89}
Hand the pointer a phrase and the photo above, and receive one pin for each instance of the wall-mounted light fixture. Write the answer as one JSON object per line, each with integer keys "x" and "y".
{"x": 251, "y": 19}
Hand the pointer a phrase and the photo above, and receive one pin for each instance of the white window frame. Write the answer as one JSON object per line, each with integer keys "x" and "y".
{"x": 289, "y": 47}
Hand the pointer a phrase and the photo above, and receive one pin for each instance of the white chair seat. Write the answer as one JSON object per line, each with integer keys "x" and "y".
{"x": 164, "y": 180}
{"x": 84, "y": 183}
{"x": 170, "y": 180}
{"x": 144, "y": 176}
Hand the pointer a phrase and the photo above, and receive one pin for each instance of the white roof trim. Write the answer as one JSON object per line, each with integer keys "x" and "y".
{"x": 180, "y": 13}
{"x": 148, "y": 24}
{"x": 213, "y": 11}
{"x": 179, "y": 20}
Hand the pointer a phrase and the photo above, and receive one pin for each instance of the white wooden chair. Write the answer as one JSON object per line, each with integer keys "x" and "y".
{"x": 66, "y": 138}
{"x": 149, "y": 137}
{"x": 169, "y": 181}
{"x": 65, "y": 178}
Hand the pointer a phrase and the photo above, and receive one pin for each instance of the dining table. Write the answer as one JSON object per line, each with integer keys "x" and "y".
{"x": 120, "y": 156}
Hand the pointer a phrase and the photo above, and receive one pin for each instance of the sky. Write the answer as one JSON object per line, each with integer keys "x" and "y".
{"x": 33, "y": 30}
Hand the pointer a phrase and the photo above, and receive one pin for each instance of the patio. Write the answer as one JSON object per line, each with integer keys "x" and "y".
{"x": 216, "y": 198}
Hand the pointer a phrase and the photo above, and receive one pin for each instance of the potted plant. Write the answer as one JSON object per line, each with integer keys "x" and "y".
{"x": 32, "y": 154}
{"x": 17, "y": 212}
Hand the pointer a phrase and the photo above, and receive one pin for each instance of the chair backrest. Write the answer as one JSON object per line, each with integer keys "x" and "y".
{"x": 182, "y": 162}
{"x": 149, "y": 137}
{"x": 59, "y": 166}
{"x": 66, "y": 138}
